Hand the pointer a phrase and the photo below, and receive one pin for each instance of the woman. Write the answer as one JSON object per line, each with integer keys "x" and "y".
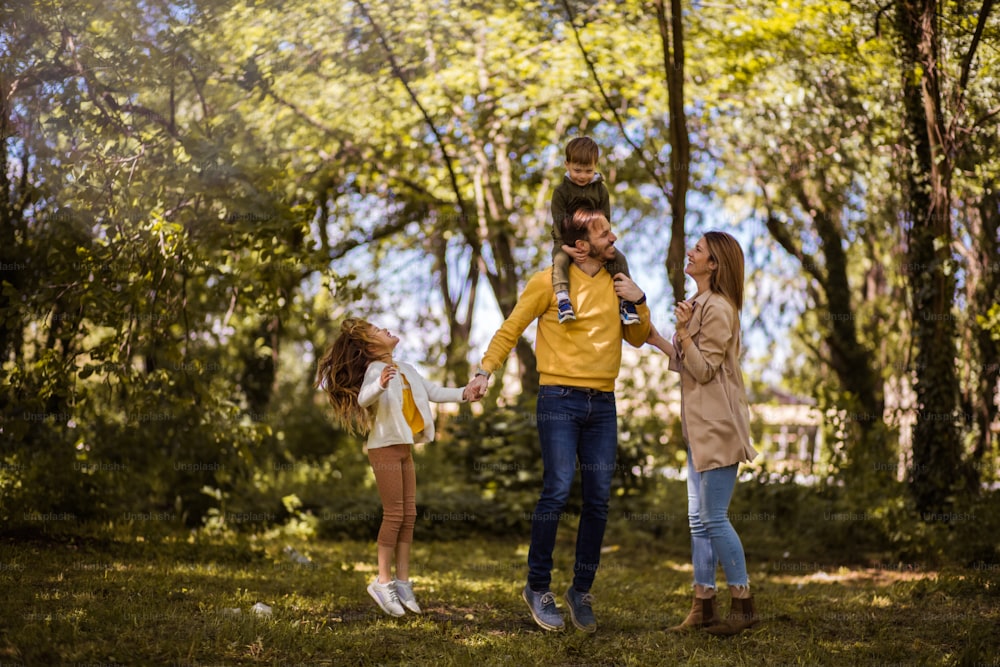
{"x": 705, "y": 350}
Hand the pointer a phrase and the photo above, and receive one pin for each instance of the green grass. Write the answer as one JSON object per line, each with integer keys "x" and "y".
{"x": 145, "y": 601}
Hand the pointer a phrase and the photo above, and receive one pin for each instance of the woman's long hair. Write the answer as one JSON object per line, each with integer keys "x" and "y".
{"x": 342, "y": 370}
{"x": 727, "y": 279}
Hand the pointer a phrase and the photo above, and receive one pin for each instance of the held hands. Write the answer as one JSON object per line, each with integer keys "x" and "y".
{"x": 469, "y": 394}
{"x": 476, "y": 388}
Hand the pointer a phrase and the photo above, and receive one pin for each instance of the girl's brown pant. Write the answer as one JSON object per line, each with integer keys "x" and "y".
{"x": 397, "y": 486}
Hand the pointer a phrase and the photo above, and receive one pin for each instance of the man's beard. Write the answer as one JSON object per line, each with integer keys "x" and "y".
{"x": 599, "y": 256}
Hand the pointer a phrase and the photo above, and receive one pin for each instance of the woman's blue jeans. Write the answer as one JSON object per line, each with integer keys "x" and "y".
{"x": 577, "y": 429}
{"x": 713, "y": 538}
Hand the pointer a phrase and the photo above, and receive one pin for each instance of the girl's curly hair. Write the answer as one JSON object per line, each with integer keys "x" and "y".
{"x": 342, "y": 370}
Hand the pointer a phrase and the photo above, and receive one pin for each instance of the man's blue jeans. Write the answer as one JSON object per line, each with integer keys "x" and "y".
{"x": 713, "y": 538}
{"x": 577, "y": 428}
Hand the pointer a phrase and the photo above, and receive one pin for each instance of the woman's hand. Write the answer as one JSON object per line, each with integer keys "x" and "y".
{"x": 683, "y": 311}
{"x": 388, "y": 373}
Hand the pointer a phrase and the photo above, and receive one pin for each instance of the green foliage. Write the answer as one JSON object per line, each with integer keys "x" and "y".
{"x": 818, "y": 521}
{"x": 990, "y": 321}
{"x": 146, "y": 301}
{"x": 500, "y": 455}
{"x": 192, "y": 194}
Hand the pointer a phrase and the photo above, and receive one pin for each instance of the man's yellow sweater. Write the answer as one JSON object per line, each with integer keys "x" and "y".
{"x": 586, "y": 352}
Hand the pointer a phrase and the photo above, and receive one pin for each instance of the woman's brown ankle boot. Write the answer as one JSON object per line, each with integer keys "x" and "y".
{"x": 702, "y": 615}
{"x": 742, "y": 615}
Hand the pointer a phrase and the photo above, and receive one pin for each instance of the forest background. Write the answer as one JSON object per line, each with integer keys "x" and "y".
{"x": 194, "y": 194}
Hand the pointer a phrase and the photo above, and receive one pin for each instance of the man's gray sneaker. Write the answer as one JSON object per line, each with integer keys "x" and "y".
{"x": 543, "y": 609}
{"x": 580, "y": 609}
{"x": 386, "y": 598}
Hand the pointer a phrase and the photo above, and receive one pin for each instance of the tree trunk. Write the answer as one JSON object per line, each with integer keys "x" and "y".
{"x": 672, "y": 39}
{"x": 504, "y": 284}
{"x": 852, "y": 362}
{"x": 937, "y": 446}
{"x": 982, "y": 399}
{"x": 456, "y": 363}
{"x": 11, "y": 269}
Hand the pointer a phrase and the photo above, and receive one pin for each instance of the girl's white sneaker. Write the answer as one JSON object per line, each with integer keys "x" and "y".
{"x": 404, "y": 591}
{"x": 386, "y": 598}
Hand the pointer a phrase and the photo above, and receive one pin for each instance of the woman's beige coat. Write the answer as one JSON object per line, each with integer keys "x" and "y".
{"x": 714, "y": 412}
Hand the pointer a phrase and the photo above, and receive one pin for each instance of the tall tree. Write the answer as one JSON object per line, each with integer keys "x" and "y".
{"x": 930, "y": 139}
{"x": 977, "y": 175}
{"x": 792, "y": 122}
{"x": 462, "y": 139}
{"x": 149, "y": 246}
{"x": 672, "y": 44}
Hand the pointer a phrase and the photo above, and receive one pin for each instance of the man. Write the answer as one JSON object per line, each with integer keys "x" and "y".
{"x": 578, "y": 363}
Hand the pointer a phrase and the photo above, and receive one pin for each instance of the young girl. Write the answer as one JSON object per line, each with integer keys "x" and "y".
{"x": 370, "y": 392}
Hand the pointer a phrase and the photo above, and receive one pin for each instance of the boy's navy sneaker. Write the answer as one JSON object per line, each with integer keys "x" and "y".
{"x": 566, "y": 312}
{"x": 628, "y": 313}
{"x": 580, "y": 609}
{"x": 543, "y": 609}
